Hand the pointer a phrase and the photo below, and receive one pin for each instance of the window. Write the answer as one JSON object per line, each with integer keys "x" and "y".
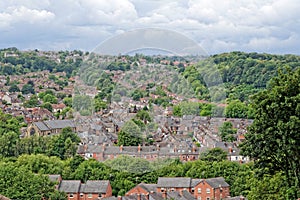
{"x": 99, "y": 195}
{"x": 207, "y": 198}
{"x": 90, "y": 195}
{"x": 207, "y": 190}
{"x": 199, "y": 190}
{"x": 71, "y": 195}
{"x": 162, "y": 189}
{"x": 81, "y": 195}
{"x": 172, "y": 189}
{"x": 193, "y": 189}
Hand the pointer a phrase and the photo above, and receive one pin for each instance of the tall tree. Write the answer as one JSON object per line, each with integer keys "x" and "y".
{"x": 273, "y": 140}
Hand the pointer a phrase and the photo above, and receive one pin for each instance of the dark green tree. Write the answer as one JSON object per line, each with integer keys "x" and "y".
{"x": 27, "y": 89}
{"x": 215, "y": 154}
{"x": 273, "y": 140}
{"x": 14, "y": 88}
{"x": 227, "y": 132}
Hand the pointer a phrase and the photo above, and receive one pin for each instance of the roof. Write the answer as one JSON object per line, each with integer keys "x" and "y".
{"x": 195, "y": 182}
{"x": 54, "y": 124}
{"x": 96, "y": 186}
{"x": 169, "y": 182}
{"x": 69, "y": 186}
{"x": 54, "y": 177}
{"x": 217, "y": 182}
{"x": 148, "y": 187}
{"x": 41, "y": 126}
{"x": 110, "y": 198}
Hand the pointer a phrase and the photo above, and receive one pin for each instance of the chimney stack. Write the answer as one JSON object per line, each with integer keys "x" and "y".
{"x": 119, "y": 198}
{"x": 230, "y": 149}
{"x": 103, "y": 147}
{"x": 138, "y": 196}
{"x": 164, "y": 194}
{"x": 139, "y": 148}
{"x": 157, "y": 147}
{"x": 121, "y": 148}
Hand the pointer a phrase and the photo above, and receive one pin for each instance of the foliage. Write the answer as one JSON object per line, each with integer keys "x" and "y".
{"x": 215, "y": 154}
{"x": 273, "y": 140}
{"x": 27, "y": 89}
{"x": 32, "y": 102}
{"x": 227, "y": 132}
{"x": 64, "y": 145}
{"x": 238, "y": 109}
{"x": 49, "y": 98}
{"x": 14, "y": 88}
{"x": 48, "y": 106}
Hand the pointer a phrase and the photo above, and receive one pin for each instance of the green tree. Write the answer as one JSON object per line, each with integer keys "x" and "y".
{"x": 236, "y": 109}
{"x": 63, "y": 145}
{"x": 273, "y": 140}
{"x": 144, "y": 116}
{"x": 32, "y": 102}
{"x": 47, "y": 105}
{"x": 14, "y": 88}
{"x": 50, "y": 99}
{"x": 227, "y": 132}
{"x": 215, "y": 154}
{"x": 27, "y": 89}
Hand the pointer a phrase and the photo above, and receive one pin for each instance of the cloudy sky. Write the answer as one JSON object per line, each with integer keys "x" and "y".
{"x": 271, "y": 26}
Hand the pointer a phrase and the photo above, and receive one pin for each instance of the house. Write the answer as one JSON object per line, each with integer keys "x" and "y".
{"x": 49, "y": 127}
{"x": 184, "y": 188}
{"x": 104, "y": 152}
{"x": 58, "y": 107}
{"x": 96, "y": 190}
{"x": 173, "y": 184}
{"x": 76, "y": 190}
{"x": 142, "y": 188}
{"x": 211, "y": 189}
{"x": 71, "y": 188}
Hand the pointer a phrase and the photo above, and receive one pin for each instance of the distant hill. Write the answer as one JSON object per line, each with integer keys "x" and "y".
{"x": 240, "y": 74}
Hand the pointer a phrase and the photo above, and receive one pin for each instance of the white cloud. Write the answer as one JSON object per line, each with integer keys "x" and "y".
{"x": 265, "y": 25}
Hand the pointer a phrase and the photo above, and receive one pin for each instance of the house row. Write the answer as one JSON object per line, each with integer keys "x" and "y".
{"x": 183, "y": 188}
{"x": 104, "y": 152}
{"x": 75, "y": 190}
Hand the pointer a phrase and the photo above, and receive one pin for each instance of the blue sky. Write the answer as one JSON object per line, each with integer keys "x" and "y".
{"x": 271, "y": 26}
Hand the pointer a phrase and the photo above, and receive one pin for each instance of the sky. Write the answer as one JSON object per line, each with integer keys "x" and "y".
{"x": 271, "y": 26}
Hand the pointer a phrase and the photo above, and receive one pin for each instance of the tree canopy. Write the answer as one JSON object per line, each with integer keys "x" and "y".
{"x": 273, "y": 140}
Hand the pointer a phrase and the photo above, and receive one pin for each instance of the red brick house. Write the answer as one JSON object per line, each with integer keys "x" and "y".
{"x": 142, "y": 188}
{"x": 166, "y": 184}
{"x": 211, "y": 189}
{"x": 91, "y": 190}
{"x": 183, "y": 188}
{"x": 95, "y": 190}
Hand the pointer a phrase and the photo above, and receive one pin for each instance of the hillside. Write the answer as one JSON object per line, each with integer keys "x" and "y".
{"x": 240, "y": 74}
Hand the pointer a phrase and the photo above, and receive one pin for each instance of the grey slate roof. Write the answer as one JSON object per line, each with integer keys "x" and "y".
{"x": 187, "y": 196}
{"x": 110, "y": 198}
{"x": 82, "y": 187}
{"x": 54, "y": 177}
{"x": 54, "y": 124}
{"x": 168, "y": 182}
{"x": 148, "y": 187}
{"x": 69, "y": 186}
{"x": 41, "y": 126}
{"x": 217, "y": 182}
{"x": 195, "y": 182}
{"x": 96, "y": 186}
